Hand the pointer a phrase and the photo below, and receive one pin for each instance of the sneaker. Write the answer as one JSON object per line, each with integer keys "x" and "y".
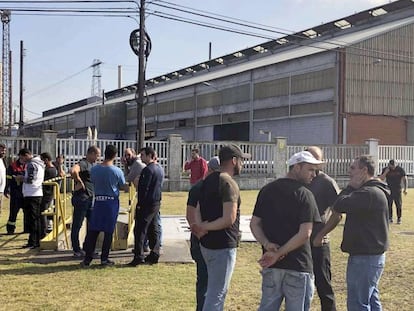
{"x": 107, "y": 263}
{"x": 79, "y": 254}
{"x": 28, "y": 245}
{"x": 399, "y": 221}
{"x": 85, "y": 264}
{"x": 135, "y": 262}
{"x": 152, "y": 259}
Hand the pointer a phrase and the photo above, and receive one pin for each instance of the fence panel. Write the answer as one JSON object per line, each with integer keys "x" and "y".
{"x": 261, "y": 162}
{"x": 162, "y": 149}
{"x": 14, "y": 144}
{"x": 338, "y": 158}
{"x": 403, "y": 156}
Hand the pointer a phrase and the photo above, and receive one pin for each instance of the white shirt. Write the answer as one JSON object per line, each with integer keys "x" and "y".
{"x": 2, "y": 175}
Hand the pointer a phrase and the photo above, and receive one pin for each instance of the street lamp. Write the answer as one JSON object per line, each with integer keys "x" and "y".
{"x": 268, "y": 133}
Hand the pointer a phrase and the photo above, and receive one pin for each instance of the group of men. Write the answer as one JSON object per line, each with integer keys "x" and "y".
{"x": 291, "y": 220}
{"x": 22, "y": 182}
{"x": 96, "y": 198}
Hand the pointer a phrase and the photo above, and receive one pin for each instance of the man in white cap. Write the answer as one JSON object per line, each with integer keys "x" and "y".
{"x": 282, "y": 223}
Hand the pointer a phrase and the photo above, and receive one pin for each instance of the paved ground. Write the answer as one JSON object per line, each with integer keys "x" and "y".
{"x": 175, "y": 244}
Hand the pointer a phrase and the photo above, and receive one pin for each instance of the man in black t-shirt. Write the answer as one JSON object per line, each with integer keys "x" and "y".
{"x": 282, "y": 223}
{"x": 395, "y": 176}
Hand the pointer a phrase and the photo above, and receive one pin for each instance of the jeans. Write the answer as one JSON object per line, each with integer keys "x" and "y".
{"x": 362, "y": 277}
{"x": 321, "y": 257}
{"x": 82, "y": 207}
{"x": 145, "y": 222}
{"x": 397, "y": 198}
{"x": 32, "y": 205}
{"x": 90, "y": 244}
{"x": 220, "y": 265}
{"x": 295, "y": 287}
{"x": 202, "y": 277}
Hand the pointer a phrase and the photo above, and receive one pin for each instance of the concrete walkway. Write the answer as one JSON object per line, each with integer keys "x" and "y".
{"x": 175, "y": 244}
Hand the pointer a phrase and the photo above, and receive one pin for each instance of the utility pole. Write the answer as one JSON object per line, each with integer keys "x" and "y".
{"x": 141, "y": 78}
{"x": 21, "y": 89}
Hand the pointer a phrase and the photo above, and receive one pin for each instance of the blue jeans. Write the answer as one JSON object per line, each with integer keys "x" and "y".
{"x": 220, "y": 265}
{"x": 295, "y": 287}
{"x": 82, "y": 207}
{"x": 202, "y": 276}
{"x": 362, "y": 277}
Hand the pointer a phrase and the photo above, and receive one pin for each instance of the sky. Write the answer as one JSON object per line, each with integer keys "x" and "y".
{"x": 59, "y": 50}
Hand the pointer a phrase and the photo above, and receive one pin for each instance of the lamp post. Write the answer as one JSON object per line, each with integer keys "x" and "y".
{"x": 268, "y": 133}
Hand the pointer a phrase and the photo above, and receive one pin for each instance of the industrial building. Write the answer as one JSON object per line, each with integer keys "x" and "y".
{"x": 341, "y": 82}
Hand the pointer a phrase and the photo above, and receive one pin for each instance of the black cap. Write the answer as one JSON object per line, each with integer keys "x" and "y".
{"x": 227, "y": 152}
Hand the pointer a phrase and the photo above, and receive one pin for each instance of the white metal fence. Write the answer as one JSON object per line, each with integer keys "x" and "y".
{"x": 337, "y": 158}
{"x": 14, "y": 144}
{"x": 403, "y": 156}
{"x": 75, "y": 149}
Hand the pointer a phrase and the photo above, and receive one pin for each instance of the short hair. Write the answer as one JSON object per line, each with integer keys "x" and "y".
{"x": 2, "y": 145}
{"x": 132, "y": 150}
{"x": 24, "y": 151}
{"x": 196, "y": 150}
{"x": 149, "y": 151}
{"x": 368, "y": 162}
{"x": 62, "y": 156}
{"x": 46, "y": 156}
{"x": 92, "y": 149}
{"x": 110, "y": 152}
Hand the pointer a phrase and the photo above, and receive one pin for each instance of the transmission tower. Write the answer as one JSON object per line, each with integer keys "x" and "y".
{"x": 96, "y": 78}
{"x": 6, "y": 73}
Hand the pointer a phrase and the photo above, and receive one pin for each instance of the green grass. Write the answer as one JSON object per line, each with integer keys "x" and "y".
{"x": 64, "y": 286}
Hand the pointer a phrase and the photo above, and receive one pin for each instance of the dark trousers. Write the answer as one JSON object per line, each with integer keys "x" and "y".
{"x": 145, "y": 224}
{"x": 16, "y": 203}
{"x": 44, "y": 205}
{"x": 397, "y": 198}
{"x": 90, "y": 244}
{"x": 202, "y": 277}
{"x": 82, "y": 207}
{"x": 32, "y": 207}
{"x": 322, "y": 270}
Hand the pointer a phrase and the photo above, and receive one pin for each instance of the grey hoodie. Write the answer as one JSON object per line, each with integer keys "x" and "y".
{"x": 33, "y": 178}
{"x": 366, "y": 224}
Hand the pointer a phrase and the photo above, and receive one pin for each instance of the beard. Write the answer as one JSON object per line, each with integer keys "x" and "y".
{"x": 130, "y": 161}
{"x": 236, "y": 170}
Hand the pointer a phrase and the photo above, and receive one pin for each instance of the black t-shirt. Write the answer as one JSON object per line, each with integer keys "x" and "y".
{"x": 283, "y": 205}
{"x": 50, "y": 172}
{"x": 394, "y": 176}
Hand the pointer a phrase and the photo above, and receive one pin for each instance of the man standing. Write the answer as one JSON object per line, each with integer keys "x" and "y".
{"x": 107, "y": 180}
{"x": 32, "y": 194}
{"x": 218, "y": 225}
{"x": 197, "y": 166}
{"x": 148, "y": 206}
{"x": 395, "y": 176}
{"x": 282, "y": 223}
{"x": 134, "y": 166}
{"x": 50, "y": 172}
{"x": 14, "y": 191}
{"x": 325, "y": 190}
{"x": 365, "y": 236}
{"x": 2, "y": 173}
{"x": 193, "y": 198}
{"x": 82, "y": 195}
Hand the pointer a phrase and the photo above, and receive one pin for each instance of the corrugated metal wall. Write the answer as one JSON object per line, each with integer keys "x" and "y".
{"x": 381, "y": 83}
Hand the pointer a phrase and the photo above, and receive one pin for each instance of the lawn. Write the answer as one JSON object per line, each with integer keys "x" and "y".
{"x": 64, "y": 286}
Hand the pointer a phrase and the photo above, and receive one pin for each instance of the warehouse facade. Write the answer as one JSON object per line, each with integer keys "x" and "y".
{"x": 340, "y": 82}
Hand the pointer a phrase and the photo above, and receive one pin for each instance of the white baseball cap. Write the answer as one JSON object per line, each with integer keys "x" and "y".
{"x": 303, "y": 157}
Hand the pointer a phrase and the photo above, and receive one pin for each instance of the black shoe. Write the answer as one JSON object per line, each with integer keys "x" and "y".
{"x": 10, "y": 232}
{"x": 34, "y": 246}
{"x": 152, "y": 258}
{"x": 28, "y": 245}
{"x": 107, "y": 263}
{"x": 85, "y": 264}
{"x": 135, "y": 262}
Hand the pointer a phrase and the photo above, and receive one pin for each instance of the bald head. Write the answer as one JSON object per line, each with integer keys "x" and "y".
{"x": 316, "y": 152}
